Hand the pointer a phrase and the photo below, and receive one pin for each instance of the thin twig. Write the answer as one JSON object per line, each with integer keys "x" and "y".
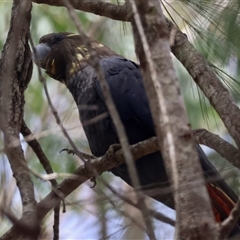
{"x": 34, "y": 144}
{"x": 98, "y": 7}
{"x": 56, "y": 222}
{"x": 161, "y": 217}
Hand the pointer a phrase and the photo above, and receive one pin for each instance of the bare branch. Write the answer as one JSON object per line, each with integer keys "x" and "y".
{"x": 56, "y": 222}
{"x": 208, "y": 82}
{"x": 161, "y": 217}
{"x": 171, "y": 123}
{"x": 22, "y": 227}
{"x": 225, "y": 149}
{"x": 230, "y": 222}
{"x": 97, "y": 7}
{"x": 34, "y": 144}
{"x": 15, "y": 74}
{"x": 46, "y": 165}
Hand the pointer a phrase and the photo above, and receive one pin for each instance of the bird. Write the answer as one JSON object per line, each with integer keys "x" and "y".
{"x": 65, "y": 58}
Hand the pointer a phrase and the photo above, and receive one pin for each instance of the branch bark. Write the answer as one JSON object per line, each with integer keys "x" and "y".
{"x": 105, "y": 9}
{"x": 225, "y": 149}
{"x": 15, "y": 74}
{"x": 230, "y": 222}
{"x": 171, "y": 122}
{"x": 209, "y": 83}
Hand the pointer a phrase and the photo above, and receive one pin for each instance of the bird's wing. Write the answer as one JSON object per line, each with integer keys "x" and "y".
{"x": 127, "y": 90}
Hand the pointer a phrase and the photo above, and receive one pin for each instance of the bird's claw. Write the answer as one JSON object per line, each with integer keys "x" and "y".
{"x": 87, "y": 165}
{"x": 112, "y": 149}
{"x": 94, "y": 181}
{"x": 69, "y": 151}
{"x": 78, "y": 153}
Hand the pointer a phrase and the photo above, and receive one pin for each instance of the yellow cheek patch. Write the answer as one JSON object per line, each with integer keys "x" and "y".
{"x": 53, "y": 61}
{"x": 51, "y": 67}
{"x": 72, "y": 35}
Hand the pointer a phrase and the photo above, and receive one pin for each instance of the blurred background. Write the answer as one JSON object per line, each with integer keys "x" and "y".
{"x": 212, "y": 26}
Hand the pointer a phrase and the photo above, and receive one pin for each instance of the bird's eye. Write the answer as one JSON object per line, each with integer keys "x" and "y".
{"x": 57, "y": 38}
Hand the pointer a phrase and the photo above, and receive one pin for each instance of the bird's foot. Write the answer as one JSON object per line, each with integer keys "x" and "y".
{"x": 78, "y": 153}
{"x": 114, "y": 147}
{"x": 87, "y": 163}
{"x": 110, "y": 154}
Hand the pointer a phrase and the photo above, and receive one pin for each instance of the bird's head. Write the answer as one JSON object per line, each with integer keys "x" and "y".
{"x": 64, "y": 54}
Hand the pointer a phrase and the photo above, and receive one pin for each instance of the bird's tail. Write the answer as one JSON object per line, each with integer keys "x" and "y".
{"x": 222, "y": 205}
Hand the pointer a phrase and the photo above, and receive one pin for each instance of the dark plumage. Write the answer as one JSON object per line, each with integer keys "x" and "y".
{"x": 65, "y": 58}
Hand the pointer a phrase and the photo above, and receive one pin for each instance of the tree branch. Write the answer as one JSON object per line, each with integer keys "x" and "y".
{"x": 208, "y": 82}
{"x": 229, "y": 223}
{"x": 34, "y": 144}
{"x": 105, "y": 9}
{"x": 171, "y": 123}
{"x": 15, "y": 74}
{"x": 225, "y": 149}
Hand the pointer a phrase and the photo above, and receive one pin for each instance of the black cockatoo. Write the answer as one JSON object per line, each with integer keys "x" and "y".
{"x": 66, "y": 59}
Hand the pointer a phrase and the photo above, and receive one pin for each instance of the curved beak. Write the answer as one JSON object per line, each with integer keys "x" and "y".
{"x": 40, "y": 53}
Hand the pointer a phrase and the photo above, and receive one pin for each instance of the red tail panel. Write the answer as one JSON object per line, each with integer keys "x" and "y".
{"x": 221, "y": 203}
